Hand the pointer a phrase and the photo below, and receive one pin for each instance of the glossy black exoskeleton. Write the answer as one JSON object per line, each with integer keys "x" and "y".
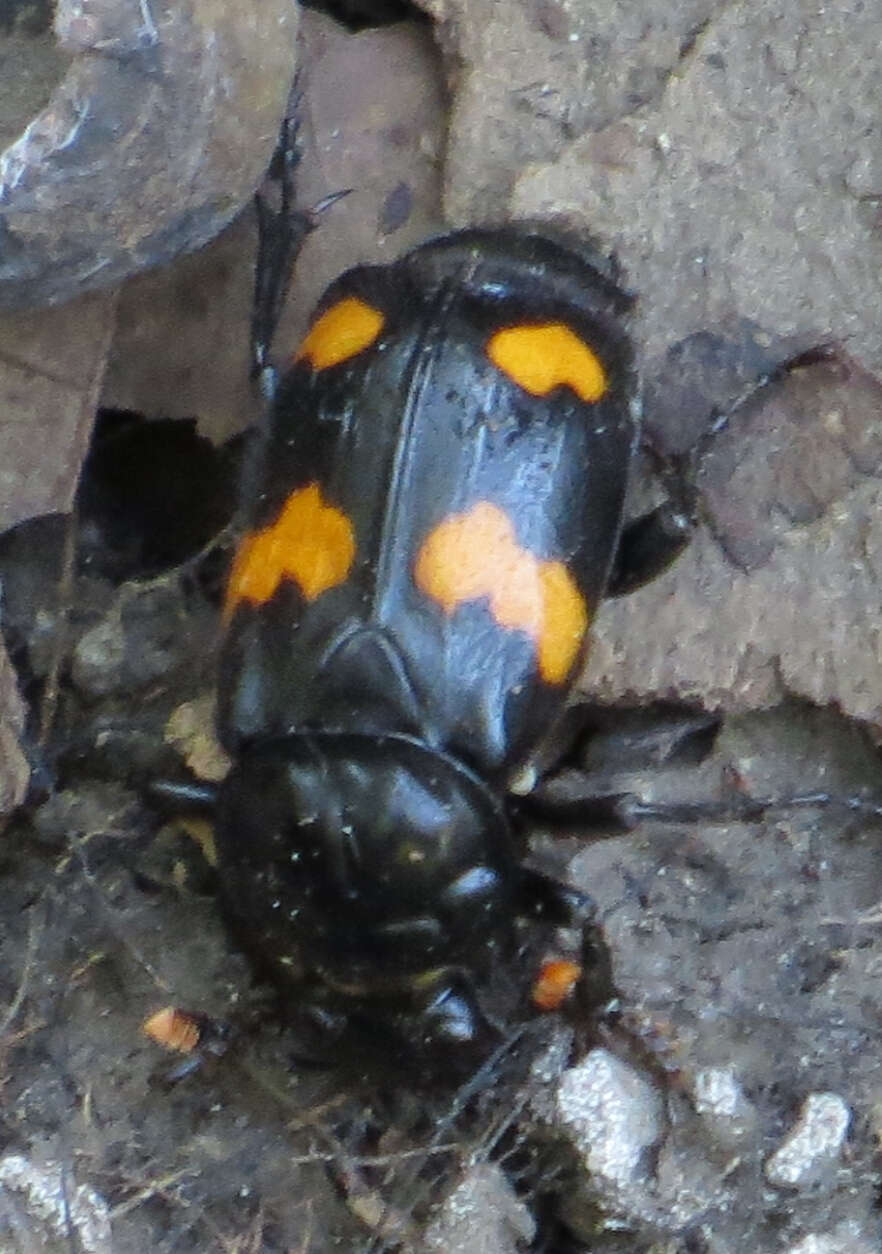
{"x": 438, "y": 512}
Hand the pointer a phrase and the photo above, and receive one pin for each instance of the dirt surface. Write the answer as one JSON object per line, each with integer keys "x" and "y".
{"x": 734, "y": 1104}
{"x": 746, "y": 955}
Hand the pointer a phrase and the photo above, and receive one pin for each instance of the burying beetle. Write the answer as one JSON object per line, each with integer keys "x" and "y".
{"x": 435, "y": 514}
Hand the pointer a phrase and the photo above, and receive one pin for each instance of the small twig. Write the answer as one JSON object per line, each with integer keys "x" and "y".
{"x": 374, "y": 1160}
{"x": 154, "y": 1188}
{"x": 49, "y": 700}
{"x": 20, "y": 993}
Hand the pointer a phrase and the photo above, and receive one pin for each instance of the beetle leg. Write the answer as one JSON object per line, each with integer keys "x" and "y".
{"x": 649, "y": 545}
{"x": 741, "y": 808}
{"x": 565, "y": 905}
{"x": 183, "y": 796}
{"x": 598, "y": 745}
{"x": 281, "y": 233}
{"x": 453, "y": 1017}
{"x": 596, "y": 986}
{"x": 624, "y": 811}
{"x": 280, "y": 236}
{"x": 545, "y": 897}
{"x": 616, "y": 812}
{"x": 618, "y": 744}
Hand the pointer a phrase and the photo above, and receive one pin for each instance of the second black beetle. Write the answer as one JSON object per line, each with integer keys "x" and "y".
{"x": 437, "y": 513}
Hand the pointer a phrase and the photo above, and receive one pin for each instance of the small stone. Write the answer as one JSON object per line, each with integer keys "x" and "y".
{"x": 615, "y": 1114}
{"x": 97, "y": 667}
{"x": 718, "y": 1098}
{"x": 846, "y": 1239}
{"x": 481, "y": 1216}
{"x": 814, "y": 1143}
{"x": 57, "y": 1208}
{"x": 716, "y": 1092}
{"x": 190, "y": 728}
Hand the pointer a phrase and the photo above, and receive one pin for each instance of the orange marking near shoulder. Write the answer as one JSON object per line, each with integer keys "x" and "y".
{"x": 543, "y": 356}
{"x": 310, "y": 542}
{"x": 476, "y": 555}
{"x": 341, "y": 332}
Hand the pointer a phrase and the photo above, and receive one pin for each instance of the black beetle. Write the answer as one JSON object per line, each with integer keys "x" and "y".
{"x": 437, "y": 512}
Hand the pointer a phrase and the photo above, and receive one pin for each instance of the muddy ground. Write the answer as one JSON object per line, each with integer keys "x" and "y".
{"x": 733, "y": 1102}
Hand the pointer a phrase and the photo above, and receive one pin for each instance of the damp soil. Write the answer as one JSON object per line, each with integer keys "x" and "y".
{"x": 108, "y": 913}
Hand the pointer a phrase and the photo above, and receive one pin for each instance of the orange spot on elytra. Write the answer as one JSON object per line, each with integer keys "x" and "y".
{"x": 340, "y": 333}
{"x": 476, "y": 555}
{"x": 310, "y": 542}
{"x": 543, "y": 356}
{"x": 565, "y": 621}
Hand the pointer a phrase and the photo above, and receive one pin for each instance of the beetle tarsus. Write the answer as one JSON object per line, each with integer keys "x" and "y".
{"x": 281, "y": 232}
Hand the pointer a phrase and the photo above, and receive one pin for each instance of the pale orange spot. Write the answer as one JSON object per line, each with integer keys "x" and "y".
{"x": 310, "y": 542}
{"x": 456, "y": 562}
{"x": 173, "y": 1029}
{"x": 564, "y": 620}
{"x": 340, "y": 333}
{"x": 555, "y": 983}
{"x": 476, "y": 555}
{"x": 545, "y": 356}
